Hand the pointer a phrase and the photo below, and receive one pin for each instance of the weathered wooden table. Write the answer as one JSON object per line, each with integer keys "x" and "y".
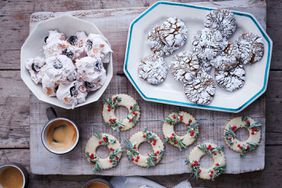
{"x": 15, "y": 110}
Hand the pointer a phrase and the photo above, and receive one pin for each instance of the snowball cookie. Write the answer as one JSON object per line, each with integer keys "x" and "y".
{"x": 58, "y": 69}
{"x": 78, "y": 39}
{"x": 92, "y": 72}
{"x": 184, "y": 66}
{"x": 168, "y": 37}
{"x": 215, "y": 152}
{"x": 115, "y": 151}
{"x": 55, "y": 44}
{"x": 72, "y": 93}
{"x": 224, "y": 61}
{"x": 151, "y": 159}
{"x": 34, "y": 65}
{"x": 231, "y": 79}
{"x": 201, "y": 89}
{"x": 252, "y": 142}
{"x": 98, "y": 46}
{"x": 222, "y": 20}
{"x": 153, "y": 69}
{"x": 208, "y": 44}
{"x": 250, "y": 48}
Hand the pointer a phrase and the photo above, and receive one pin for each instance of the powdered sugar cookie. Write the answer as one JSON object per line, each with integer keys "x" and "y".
{"x": 190, "y": 123}
{"x": 59, "y": 69}
{"x": 97, "y": 46}
{"x": 153, "y": 69}
{"x": 201, "y": 89}
{"x": 168, "y": 37}
{"x": 111, "y": 104}
{"x": 224, "y": 62}
{"x": 230, "y": 79}
{"x": 78, "y": 39}
{"x": 55, "y": 44}
{"x": 92, "y": 72}
{"x": 72, "y": 93}
{"x": 250, "y": 48}
{"x": 215, "y": 152}
{"x": 242, "y": 147}
{"x": 151, "y": 159}
{"x": 184, "y": 67}
{"x": 34, "y": 65}
{"x": 115, "y": 151}
{"x": 222, "y": 20}
{"x": 208, "y": 44}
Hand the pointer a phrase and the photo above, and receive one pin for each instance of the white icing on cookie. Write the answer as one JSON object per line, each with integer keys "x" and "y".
{"x": 55, "y": 44}
{"x": 72, "y": 93}
{"x": 151, "y": 159}
{"x": 153, "y": 69}
{"x": 252, "y": 142}
{"x": 190, "y": 123}
{"x": 215, "y": 152}
{"x": 115, "y": 151}
{"x": 168, "y": 37}
{"x": 92, "y": 72}
{"x": 184, "y": 67}
{"x": 97, "y": 46}
{"x": 111, "y": 104}
{"x": 222, "y": 20}
{"x": 34, "y": 66}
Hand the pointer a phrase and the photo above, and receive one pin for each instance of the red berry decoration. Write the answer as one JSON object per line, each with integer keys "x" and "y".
{"x": 234, "y": 128}
{"x": 105, "y": 139}
{"x": 209, "y": 147}
{"x": 181, "y": 118}
{"x": 91, "y": 156}
{"x": 100, "y": 142}
{"x": 192, "y": 133}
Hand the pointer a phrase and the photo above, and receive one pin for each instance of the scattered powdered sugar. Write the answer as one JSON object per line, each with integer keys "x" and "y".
{"x": 153, "y": 69}
{"x": 250, "y": 48}
{"x": 166, "y": 38}
{"x": 222, "y": 20}
{"x": 184, "y": 67}
{"x": 231, "y": 79}
{"x": 201, "y": 89}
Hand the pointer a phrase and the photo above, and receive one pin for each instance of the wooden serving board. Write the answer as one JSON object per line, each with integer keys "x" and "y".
{"x": 114, "y": 24}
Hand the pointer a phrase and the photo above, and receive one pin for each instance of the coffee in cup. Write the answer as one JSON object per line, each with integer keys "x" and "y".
{"x": 12, "y": 176}
{"x": 98, "y": 183}
{"x": 60, "y": 135}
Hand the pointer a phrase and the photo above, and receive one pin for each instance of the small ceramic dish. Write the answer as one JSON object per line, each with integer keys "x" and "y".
{"x": 171, "y": 91}
{"x": 32, "y": 47}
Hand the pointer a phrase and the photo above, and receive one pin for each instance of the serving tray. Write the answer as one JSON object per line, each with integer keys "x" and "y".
{"x": 114, "y": 24}
{"x": 171, "y": 91}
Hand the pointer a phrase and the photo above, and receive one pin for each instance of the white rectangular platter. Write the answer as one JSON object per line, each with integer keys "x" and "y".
{"x": 114, "y": 24}
{"x": 171, "y": 91}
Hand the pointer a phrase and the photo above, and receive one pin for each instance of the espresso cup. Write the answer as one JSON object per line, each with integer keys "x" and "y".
{"x": 97, "y": 183}
{"x": 13, "y": 175}
{"x": 59, "y": 135}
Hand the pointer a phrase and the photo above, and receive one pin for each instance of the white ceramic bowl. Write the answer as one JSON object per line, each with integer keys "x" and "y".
{"x": 32, "y": 47}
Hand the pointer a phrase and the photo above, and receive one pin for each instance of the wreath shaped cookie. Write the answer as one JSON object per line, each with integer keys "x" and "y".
{"x": 243, "y": 147}
{"x": 191, "y": 124}
{"x": 114, "y": 147}
{"x": 111, "y": 104}
{"x": 141, "y": 160}
{"x": 217, "y": 154}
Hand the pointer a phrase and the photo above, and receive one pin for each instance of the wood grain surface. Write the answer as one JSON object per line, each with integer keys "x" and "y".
{"x": 114, "y": 24}
{"x": 14, "y": 101}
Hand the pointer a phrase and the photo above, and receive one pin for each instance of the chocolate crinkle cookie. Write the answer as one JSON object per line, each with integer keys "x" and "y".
{"x": 166, "y": 38}
{"x": 153, "y": 69}
{"x": 201, "y": 89}
{"x": 230, "y": 79}
{"x": 222, "y": 20}
{"x": 250, "y": 48}
{"x": 185, "y": 66}
{"x": 208, "y": 44}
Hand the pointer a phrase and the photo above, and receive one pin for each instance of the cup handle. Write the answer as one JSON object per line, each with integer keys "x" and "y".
{"x": 51, "y": 113}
